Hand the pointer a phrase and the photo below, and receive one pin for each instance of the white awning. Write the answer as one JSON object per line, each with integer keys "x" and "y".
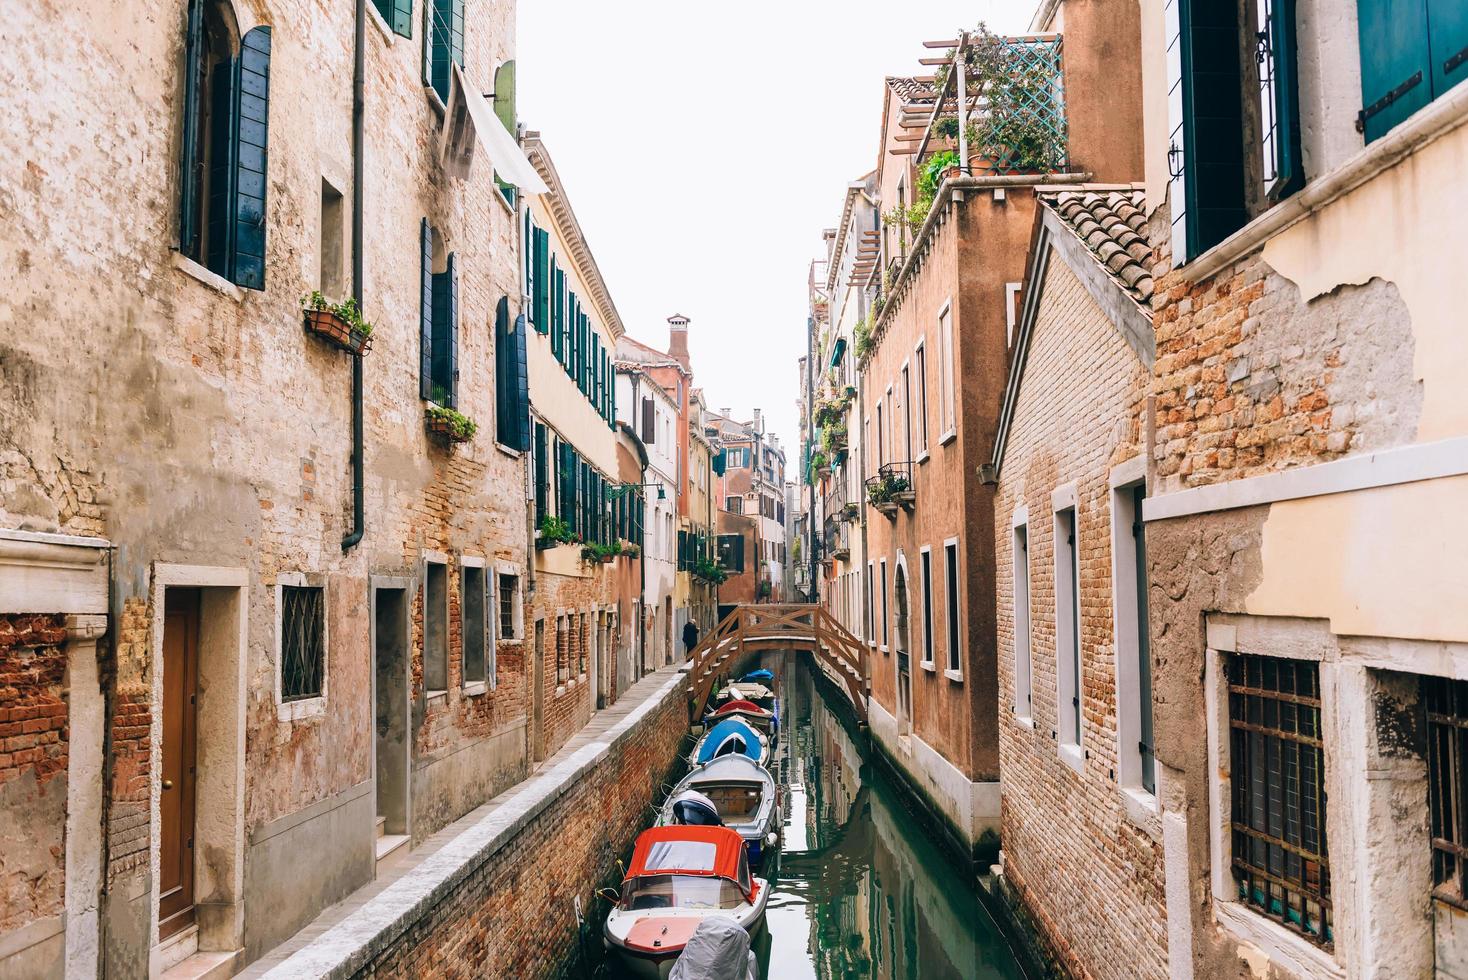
{"x": 468, "y": 121}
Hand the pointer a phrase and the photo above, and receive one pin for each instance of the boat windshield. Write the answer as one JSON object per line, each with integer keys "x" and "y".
{"x": 680, "y": 891}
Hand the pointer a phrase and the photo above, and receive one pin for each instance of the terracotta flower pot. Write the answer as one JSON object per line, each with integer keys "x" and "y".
{"x": 337, "y": 332}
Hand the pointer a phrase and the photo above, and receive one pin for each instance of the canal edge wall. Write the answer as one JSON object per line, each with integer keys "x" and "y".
{"x": 499, "y": 899}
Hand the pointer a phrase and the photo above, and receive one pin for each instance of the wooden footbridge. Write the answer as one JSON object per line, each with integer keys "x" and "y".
{"x": 752, "y": 629}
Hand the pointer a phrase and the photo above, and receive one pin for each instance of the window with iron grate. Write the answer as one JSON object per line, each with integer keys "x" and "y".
{"x": 1278, "y": 786}
{"x": 1446, "y": 702}
{"x": 302, "y": 642}
{"x": 509, "y": 604}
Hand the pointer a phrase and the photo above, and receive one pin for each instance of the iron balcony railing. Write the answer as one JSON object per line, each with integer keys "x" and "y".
{"x": 892, "y": 488}
{"x": 837, "y": 539}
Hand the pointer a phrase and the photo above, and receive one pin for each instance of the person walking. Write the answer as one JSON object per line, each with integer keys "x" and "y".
{"x": 690, "y": 637}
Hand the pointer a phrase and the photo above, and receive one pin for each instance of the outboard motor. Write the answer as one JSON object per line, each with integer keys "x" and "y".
{"x": 695, "y": 810}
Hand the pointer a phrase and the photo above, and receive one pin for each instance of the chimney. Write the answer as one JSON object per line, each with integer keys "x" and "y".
{"x": 757, "y": 426}
{"x": 678, "y": 339}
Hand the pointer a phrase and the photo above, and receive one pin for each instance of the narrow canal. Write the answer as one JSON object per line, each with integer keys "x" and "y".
{"x": 859, "y": 889}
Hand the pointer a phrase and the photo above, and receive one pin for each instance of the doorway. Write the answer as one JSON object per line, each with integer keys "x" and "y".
{"x": 904, "y": 656}
{"x": 392, "y": 709}
{"x": 177, "y": 799}
{"x": 537, "y": 701}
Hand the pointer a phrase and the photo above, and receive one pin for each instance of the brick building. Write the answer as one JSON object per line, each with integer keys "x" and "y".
{"x": 630, "y": 518}
{"x": 1079, "y": 787}
{"x": 1304, "y": 525}
{"x": 751, "y": 485}
{"x": 571, "y": 612}
{"x": 294, "y": 656}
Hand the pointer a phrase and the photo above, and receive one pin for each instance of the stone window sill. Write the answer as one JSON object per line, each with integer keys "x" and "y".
{"x": 1073, "y": 756}
{"x": 1143, "y": 811}
{"x": 475, "y": 688}
{"x": 302, "y": 710}
{"x": 1025, "y": 722}
{"x": 431, "y": 696}
{"x": 203, "y": 275}
{"x": 947, "y": 437}
{"x": 929, "y": 666}
{"x": 1281, "y": 946}
{"x": 512, "y": 453}
{"x": 954, "y": 675}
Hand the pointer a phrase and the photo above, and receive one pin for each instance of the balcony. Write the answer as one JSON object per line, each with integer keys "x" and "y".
{"x": 891, "y": 489}
{"x": 838, "y": 539}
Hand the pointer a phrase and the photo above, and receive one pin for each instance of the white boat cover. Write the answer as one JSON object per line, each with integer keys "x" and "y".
{"x": 717, "y": 950}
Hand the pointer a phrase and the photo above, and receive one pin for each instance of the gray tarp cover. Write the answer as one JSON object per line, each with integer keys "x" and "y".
{"x": 717, "y": 950}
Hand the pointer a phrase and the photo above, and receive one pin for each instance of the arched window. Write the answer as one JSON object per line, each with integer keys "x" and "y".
{"x": 900, "y": 599}
{"x": 223, "y": 153}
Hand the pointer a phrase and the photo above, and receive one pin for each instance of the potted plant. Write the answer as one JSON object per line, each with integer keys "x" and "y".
{"x": 851, "y": 511}
{"x": 552, "y": 532}
{"x": 339, "y": 324}
{"x": 447, "y": 425}
{"x": 631, "y": 550}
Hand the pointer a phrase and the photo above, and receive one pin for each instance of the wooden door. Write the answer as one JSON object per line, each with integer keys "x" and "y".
{"x": 176, "y": 799}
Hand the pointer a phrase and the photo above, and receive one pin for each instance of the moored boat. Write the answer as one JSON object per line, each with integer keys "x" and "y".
{"x": 732, "y": 736}
{"x": 679, "y": 877}
{"x": 735, "y": 791}
{"x": 764, "y": 719}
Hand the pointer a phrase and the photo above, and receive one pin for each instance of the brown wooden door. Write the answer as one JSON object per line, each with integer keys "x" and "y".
{"x": 176, "y": 802}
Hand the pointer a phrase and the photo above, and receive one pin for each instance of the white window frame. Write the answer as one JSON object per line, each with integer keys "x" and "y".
{"x": 928, "y": 661}
{"x": 303, "y": 708}
{"x": 1024, "y": 691}
{"x": 870, "y": 619}
{"x": 1126, "y": 630}
{"x": 1070, "y": 711}
{"x": 1011, "y": 314}
{"x": 920, "y": 360}
{"x": 478, "y": 685}
{"x": 906, "y": 374}
{"x": 952, "y": 611}
{"x": 886, "y": 636}
{"x": 947, "y": 394}
{"x": 436, "y": 558}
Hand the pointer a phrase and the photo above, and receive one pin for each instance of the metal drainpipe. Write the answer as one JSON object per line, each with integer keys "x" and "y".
{"x": 359, "y": 519}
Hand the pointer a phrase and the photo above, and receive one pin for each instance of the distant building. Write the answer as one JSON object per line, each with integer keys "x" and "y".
{"x": 753, "y": 485}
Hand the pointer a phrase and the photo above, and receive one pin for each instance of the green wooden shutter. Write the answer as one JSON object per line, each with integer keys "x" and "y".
{"x": 222, "y": 169}
{"x": 1396, "y": 69}
{"x": 1279, "y": 98}
{"x": 250, "y": 159}
{"x": 188, "y": 215}
{"x": 593, "y": 387}
{"x": 542, "y": 473}
{"x": 557, "y": 302}
{"x": 425, "y": 311}
{"x": 1447, "y": 24}
{"x": 505, "y": 430}
{"x": 521, "y": 383}
{"x": 504, "y": 94}
{"x": 445, "y": 346}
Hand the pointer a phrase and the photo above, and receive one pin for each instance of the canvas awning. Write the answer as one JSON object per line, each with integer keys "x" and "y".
{"x": 469, "y": 122}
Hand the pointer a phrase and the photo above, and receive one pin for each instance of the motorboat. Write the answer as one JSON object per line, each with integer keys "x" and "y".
{"x": 679, "y": 877}
{"x": 759, "y": 676}
{"x": 765, "y": 719}
{"x": 747, "y": 691}
{"x": 717, "y": 950}
{"x": 732, "y": 736}
{"x": 734, "y": 791}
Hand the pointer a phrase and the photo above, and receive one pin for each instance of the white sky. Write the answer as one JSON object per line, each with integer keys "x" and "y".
{"x": 705, "y": 145}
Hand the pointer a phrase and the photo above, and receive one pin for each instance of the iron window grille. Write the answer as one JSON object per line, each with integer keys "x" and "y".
{"x": 302, "y": 642}
{"x": 1446, "y": 701}
{"x": 1279, "y": 800}
{"x": 509, "y": 585}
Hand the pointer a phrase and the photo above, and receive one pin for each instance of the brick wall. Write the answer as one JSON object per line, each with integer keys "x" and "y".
{"x": 33, "y": 768}
{"x": 568, "y": 695}
{"x": 1089, "y": 877}
{"x": 513, "y": 916}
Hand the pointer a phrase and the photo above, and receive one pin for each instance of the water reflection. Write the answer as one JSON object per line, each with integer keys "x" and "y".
{"x": 860, "y": 890}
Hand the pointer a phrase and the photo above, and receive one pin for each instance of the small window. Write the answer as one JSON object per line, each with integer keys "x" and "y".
{"x": 1277, "y": 778}
{"x": 1023, "y": 693}
{"x": 922, "y": 385}
{"x": 438, "y": 374}
{"x": 950, "y": 561}
{"x": 509, "y": 606}
{"x": 563, "y": 649}
{"x": 734, "y": 505}
{"x": 1067, "y": 628}
{"x": 886, "y": 636}
{"x": 475, "y": 626}
{"x": 444, "y": 43}
{"x": 945, "y": 372}
{"x": 927, "y": 574}
{"x": 435, "y": 627}
{"x": 1133, "y": 651}
{"x": 583, "y": 640}
{"x": 302, "y": 642}
{"x": 331, "y": 281}
{"x": 871, "y": 620}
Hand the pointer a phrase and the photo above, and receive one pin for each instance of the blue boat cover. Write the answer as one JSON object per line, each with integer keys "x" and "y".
{"x": 758, "y": 676}
{"x": 746, "y": 741}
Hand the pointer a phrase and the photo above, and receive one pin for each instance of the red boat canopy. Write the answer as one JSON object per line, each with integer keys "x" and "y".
{"x": 741, "y": 705}
{"x": 714, "y": 852}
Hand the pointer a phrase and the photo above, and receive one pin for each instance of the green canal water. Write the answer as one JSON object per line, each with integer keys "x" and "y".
{"x": 860, "y": 888}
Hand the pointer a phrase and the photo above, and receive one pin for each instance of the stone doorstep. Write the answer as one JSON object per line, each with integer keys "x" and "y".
{"x": 204, "y": 966}
{"x": 349, "y": 933}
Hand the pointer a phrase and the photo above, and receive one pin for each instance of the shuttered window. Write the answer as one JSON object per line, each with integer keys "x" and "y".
{"x": 222, "y": 194}
{"x": 445, "y": 323}
{"x": 558, "y": 299}
{"x": 1279, "y": 102}
{"x": 541, "y": 303}
{"x": 445, "y": 43}
{"x": 542, "y": 472}
{"x": 649, "y": 422}
{"x": 425, "y": 310}
{"x": 512, "y": 390}
{"x": 1412, "y": 51}
{"x": 398, "y": 14}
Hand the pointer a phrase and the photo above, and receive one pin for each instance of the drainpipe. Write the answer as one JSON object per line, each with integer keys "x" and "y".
{"x": 359, "y": 519}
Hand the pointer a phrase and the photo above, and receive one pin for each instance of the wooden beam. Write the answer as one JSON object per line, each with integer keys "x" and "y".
{"x": 932, "y": 61}
{"x": 940, "y": 44}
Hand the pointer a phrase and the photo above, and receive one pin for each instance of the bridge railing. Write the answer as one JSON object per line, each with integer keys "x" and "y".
{"x": 751, "y": 629}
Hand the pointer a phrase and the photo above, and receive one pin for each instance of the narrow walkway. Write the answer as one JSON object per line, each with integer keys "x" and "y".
{"x": 416, "y": 879}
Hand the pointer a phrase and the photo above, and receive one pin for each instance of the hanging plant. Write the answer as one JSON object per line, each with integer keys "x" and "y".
{"x": 448, "y": 425}
{"x": 339, "y": 324}
{"x": 552, "y": 532}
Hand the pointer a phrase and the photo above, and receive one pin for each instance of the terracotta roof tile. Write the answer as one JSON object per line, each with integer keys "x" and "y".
{"x": 910, "y": 90}
{"x": 1113, "y": 227}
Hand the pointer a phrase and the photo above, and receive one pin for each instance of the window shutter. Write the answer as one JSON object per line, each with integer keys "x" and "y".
{"x": 563, "y": 483}
{"x": 542, "y": 474}
{"x": 1279, "y": 99}
{"x": 402, "y": 17}
{"x": 456, "y": 31}
{"x": 1447, "y": 22}
{"x": 541, "y": 246}
{"x": 250, "y": 157}
{"x": 453, "y": 330}
{"x": 739, "y": 552}
{"x": 1177, "y": 151}
{"x": 649, "y": 421}
{"x": 1396, "y": 70}
{"x": 593, "y": 385}
{"x": 425, "y": 312}
{"x": 222, "y": 169}
{"x": 521, "y": 384}
{"x": 504, "y": 375}
{"x": 445, "y": 334}
{"x": 558, "y": 296}
{"x": 188, "y": 230}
